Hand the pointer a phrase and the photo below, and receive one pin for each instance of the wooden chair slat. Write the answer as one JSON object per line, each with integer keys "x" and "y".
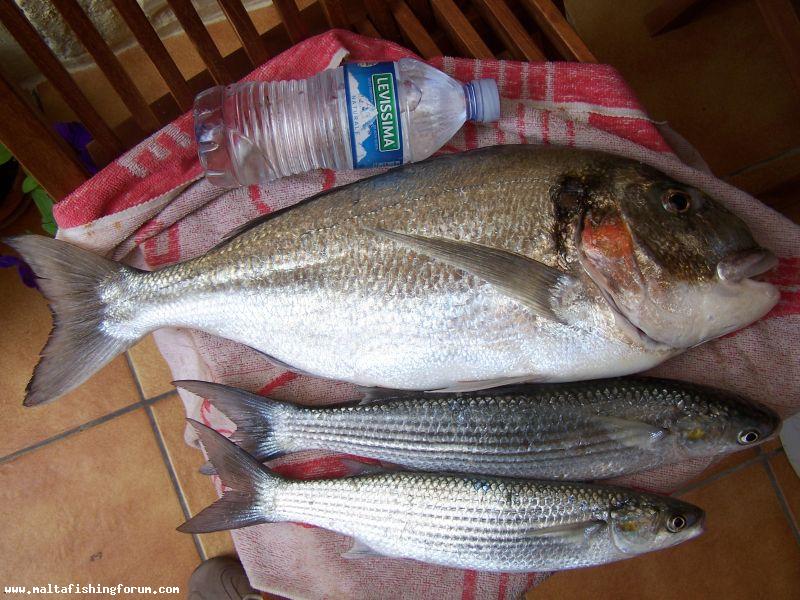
{"x": 245, "y": 31}
{"x": 365, "y": 27}
{"x": 431, "y": 27}
{"x": 140, "y": 26}
{"x": 510, "y": 30}
{"x": 108, "y": 63}
{"x": 193, "y": 25}
{"x": 290, "y": 16}
{"x": 784, "y": 25}
{"x": 335, "y": 13}
{"x": 558, "y": 31}
{"x": 44, "y": 59}
{"x": 422, "y": 10}
{"x": 36, "y": 146}
{"x": 381, "y": 16}
{"x": 459, "y": 29}
{"x": 276, "y": 40}
{"x": 414, "y": 31}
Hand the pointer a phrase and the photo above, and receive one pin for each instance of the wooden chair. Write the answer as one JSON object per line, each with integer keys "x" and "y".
{"x": 513, "y": 29}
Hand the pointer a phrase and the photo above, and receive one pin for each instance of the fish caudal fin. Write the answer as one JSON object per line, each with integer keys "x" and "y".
{"x": 256, "y": 417}
{"x": 79, "y": 346}
{"x": 252, "y": 487}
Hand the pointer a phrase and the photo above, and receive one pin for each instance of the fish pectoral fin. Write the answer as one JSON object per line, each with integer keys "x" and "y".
{"x": 360, "y": 550}
{"x": 631, "y": 433}
{"x": 527, "y": 281}
{"x": 475, "y": 385}
{"x": 574, "y": 533}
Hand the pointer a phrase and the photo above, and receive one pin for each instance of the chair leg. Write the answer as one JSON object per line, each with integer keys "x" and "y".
{"x": 36, "y": 145}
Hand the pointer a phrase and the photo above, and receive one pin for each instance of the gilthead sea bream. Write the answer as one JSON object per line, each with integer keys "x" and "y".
{"x": 468, "y": 271}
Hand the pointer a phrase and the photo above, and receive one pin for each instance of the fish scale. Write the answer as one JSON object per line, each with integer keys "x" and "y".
{"x": 342, "y": 275}
{"x": 485, "y": 524}
{"x": 468, "y": 271}
{"x": 570, "y": 431}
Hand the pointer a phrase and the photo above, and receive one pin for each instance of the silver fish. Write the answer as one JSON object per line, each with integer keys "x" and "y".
{"x": 502, "y": 265}
{"x": 488, "y": 524}
{"x": 569, "y": 431}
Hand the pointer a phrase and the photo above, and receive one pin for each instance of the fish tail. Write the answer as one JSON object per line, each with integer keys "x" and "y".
{"x": 249, "y": 500}
{"x": 79, "y": 345}
{"x": 257, "y": 418}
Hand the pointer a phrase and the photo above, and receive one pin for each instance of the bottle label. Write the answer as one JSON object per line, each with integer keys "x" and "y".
{"x": 373, "y": 110}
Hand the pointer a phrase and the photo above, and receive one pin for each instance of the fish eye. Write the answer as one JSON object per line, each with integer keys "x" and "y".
{"x": 748, "y": 436}
{"x": 676, "y": 523}
{"x": 676, "y": 201}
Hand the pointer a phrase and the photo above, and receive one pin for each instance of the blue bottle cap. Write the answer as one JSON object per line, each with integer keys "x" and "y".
{"x": 483, "y": 100}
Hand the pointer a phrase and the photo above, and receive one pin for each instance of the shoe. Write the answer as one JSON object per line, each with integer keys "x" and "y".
{"x": 221, "y": 578}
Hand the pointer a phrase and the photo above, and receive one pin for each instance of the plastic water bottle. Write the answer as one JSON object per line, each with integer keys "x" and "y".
{"x": 357, "y": 116}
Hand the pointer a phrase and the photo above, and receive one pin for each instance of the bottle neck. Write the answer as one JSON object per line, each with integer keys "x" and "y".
{"x": 472, "y": 101}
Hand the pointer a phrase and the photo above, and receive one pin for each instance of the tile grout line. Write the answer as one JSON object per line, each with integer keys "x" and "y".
{"x": 144, "y": 400}
{"x": 64, "y": 434}
{"x": 790, "y": 152}
{"x": 174, "y": 479}
{"x": 787, "y": 511}
{"x": 729, "y": 471}
{"x": 82, "y": 427}
{"x": 135, "y": 375}
{"x": 162, "y": 447}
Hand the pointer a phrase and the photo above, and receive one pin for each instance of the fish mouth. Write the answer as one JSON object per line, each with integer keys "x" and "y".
{"x": 746, "y": 264}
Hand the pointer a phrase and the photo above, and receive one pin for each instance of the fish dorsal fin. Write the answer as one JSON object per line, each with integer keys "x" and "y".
{"x": 476, "y": 385}
{"x": 373, "y": 395}
{"x": 248, "y": 225}
{"x": 261, "y": 219}
{"x": 356, "y": 468}
{"x": 360, "y": 550}
{"x": 573, "y": 533}
{"x": 527, "y": 281}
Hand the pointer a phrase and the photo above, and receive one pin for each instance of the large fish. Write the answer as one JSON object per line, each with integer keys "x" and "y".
{"x": 570, "y": 431}
{"x": 468, "y": 271}
{"x": 488, "y": 524}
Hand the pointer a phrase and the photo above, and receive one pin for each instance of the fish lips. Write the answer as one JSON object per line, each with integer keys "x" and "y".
{"x": 746, "y": 264}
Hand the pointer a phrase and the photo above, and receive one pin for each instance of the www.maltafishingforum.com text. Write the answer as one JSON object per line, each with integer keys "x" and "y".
{"x": 74, "y": 588}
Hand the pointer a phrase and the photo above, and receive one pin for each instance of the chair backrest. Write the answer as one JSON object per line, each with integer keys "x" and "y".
{"x": 516, "y": 29}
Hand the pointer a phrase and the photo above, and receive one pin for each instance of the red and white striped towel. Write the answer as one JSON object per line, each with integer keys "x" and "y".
{"x": 151, "y": 208}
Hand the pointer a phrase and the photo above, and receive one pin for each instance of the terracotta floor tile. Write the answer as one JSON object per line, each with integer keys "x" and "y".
{"x": 789, "y": 483}
{"x": 197, "y": 489}
{"x": 771, "y": 445}
{"x": 150, "y": 368}
{"x": 728, "y": 462}
{"x": 784, "y": 199}
{"x": 25, "y": 327}
{"x": 747, "y": 551}
{"x": 96, "y": 507}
